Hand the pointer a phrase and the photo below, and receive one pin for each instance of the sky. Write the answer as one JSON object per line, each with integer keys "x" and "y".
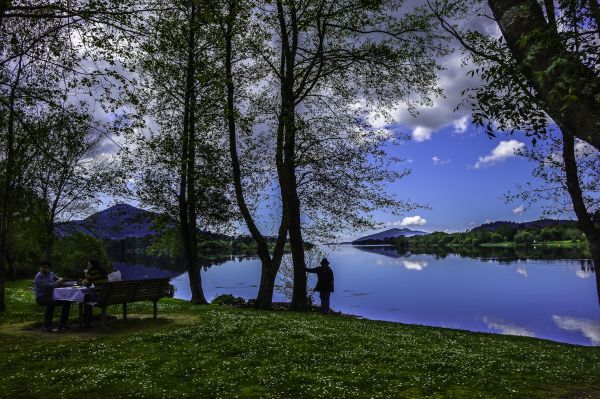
{"x": 463, "y": 177}
{"x": 458, "y": 171}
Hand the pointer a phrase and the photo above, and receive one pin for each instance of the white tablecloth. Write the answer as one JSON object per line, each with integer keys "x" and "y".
{"x": 72, "y": 294}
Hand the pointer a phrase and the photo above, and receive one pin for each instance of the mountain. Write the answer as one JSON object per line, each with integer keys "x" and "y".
{"x": 114, "y": 223}
{"x": 391, "y": 233}
{"x": 514, "y": 225}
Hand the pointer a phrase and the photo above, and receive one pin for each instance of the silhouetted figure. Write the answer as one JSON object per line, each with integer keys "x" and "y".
{"x": 324, "y": 284}
{"x": 43, "y": 285}
{"x": 94, "y": 274}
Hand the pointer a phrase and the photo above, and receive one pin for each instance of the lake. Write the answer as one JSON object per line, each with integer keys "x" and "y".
{"x": 505, "y": 293}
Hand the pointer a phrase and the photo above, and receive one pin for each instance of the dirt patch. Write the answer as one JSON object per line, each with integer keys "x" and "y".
{"x": 114, "y": 327}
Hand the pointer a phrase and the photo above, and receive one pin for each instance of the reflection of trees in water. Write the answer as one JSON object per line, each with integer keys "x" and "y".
{"x": 497, "y": 254}
{"x": 175, "y": 264}
{"x": 587, "y": 266}
{"x": 385, "y": 250}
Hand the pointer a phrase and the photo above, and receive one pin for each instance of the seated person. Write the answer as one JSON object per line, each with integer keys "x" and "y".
{"x": 43, "y": 284}
{"x": 94, "y": 274}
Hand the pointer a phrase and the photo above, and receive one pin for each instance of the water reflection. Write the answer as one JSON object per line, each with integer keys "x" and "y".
{"x": 500, "y": 254}
{"x": 506, "y": 327}
{"x": 507, "y": 295}
{"x": 589, "y": 328}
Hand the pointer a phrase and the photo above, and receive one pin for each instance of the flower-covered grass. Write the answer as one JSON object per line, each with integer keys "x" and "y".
{"x": 226, "y": 352}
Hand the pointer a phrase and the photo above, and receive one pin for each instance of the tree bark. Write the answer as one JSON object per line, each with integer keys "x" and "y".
{"x": 7, "y": 188}
{"x": 187, "y": 194}
{"x": 289, "y": 186}
{"x": 269, "y": 265}
{"x": 585, "y": 221}
{"x": 569, "y": 88}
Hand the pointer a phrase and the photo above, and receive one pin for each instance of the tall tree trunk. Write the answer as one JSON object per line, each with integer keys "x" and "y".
{"x": 286, "y": 165}
{"x": 7, "y": 188}
{"x": 187, "y": 194}
{"x": 269, "y": 265}
{"x": 292, "y": 211}
{"x": 289, "y": 186}
{"x": 585, "y": 220}
{"x": 538, "y": 59}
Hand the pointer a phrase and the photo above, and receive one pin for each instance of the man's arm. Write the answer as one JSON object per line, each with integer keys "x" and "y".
{"x": 42, "y": 282}
{"x": 313, "y": 270}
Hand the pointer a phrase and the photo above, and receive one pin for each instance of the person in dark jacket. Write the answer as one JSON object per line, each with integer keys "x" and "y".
{"x": 324, "y": 283}
{"x": 94, "y": 274}
{"x": 43, "y": 285}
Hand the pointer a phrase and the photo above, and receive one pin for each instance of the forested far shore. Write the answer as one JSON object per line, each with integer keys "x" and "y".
{"x": 565, "y": 235}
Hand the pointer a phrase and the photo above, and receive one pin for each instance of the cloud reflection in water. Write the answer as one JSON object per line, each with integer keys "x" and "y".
{"x": 506, "y": 327}
{"x": 589, "y": 328}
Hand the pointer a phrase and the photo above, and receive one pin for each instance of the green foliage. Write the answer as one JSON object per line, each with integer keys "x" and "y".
{"x": 72, "y": 253}
{"x": 524, "y": 238}
{"x": 504, "y": 234}
{"x": 228, "y": 299}
{"x": 227, "y": 352}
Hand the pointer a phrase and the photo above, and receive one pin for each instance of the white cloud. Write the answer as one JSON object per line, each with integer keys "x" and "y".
{"x": 522, "y": 271}
{"x": 461, "y": 124}
{"x": 504, "y": 327}
{"x": 589, "y": 328}
{"x": 519, "y": 210}
{"x": 583, "y": 273}
{"x": 412, "y": 221}
{"x": 583, "y": 149}
{"x": 417, "y": 265}
{"x": 421, "y": 133}
{"x": 438, "y": 161}
{"x": 503, "y": 151}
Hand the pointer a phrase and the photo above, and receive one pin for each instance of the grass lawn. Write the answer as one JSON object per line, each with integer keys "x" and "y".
{"x": 223, "y": 352}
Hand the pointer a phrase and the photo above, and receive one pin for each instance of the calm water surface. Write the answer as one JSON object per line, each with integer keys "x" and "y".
{"x": 551, "y": 299}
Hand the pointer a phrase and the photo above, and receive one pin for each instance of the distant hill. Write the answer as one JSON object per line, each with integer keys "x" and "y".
{"x": 514, "y": 225}
{"x": 114, "y": 223}
{"x": 391, "y": 233}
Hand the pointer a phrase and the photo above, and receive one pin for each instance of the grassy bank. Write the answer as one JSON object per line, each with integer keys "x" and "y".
{"x": 217, "y": 351}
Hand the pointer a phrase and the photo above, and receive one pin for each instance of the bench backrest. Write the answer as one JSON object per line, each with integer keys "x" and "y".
{"x": 118, "y": 292}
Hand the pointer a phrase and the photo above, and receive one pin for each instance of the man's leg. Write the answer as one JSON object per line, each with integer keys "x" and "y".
{"x": 87, "y": 315}
{"x": 325, "y": 295}
{"x": 49, "y": 304}
{"x": 64, "y": 314}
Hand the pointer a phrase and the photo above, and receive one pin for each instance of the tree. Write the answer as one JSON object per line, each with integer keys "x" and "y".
{"x": 543, "y": 69}
{"x": 69, "y": 180}
{"x": 324, "y": 49}
{"x": 178, "y": 155}
{"x": 233, "y": 24}
{"x": 317, "y": 142}
{"x": 42, "y": 45}
{"x": 560, "y": 64}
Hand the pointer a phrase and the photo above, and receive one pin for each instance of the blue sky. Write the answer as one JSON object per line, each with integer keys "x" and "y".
{"x": 461, "y": 195}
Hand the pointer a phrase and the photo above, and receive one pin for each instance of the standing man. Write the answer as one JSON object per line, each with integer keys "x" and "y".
{"x": 324, "y": 283}
{"x": 43, "y": 285}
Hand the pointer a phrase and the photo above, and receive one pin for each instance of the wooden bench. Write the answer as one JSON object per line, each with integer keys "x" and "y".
{"x": 124, "y": 292}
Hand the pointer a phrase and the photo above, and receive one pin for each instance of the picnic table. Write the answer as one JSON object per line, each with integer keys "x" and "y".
{"x": 116, "y": 293}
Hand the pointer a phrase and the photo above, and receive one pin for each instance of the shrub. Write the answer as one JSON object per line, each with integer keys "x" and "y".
{"x": 228, "y": 299}
{"x": 72, "y": 253}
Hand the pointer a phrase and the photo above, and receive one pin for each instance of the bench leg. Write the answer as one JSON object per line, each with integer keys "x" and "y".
{"x": 80, "y": 314}
{"x": 124, "y": 311}
{"x": 155, "y": 308}
{"x": 103, "y": 317}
